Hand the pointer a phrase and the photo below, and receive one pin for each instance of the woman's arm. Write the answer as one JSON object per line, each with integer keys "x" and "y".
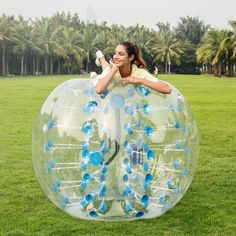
{"x": 159, "y": 86}
{"x": 103, "y": 83}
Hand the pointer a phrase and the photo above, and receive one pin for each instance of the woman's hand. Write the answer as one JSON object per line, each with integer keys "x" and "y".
{"x": 131, "y": 79}
{"x": 114, "y": 67}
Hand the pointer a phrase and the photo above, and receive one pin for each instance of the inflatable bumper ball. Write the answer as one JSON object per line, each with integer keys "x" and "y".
{"x": 127, "y": 154}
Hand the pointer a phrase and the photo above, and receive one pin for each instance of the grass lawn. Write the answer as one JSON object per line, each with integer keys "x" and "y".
{"x": 208, "y": 207}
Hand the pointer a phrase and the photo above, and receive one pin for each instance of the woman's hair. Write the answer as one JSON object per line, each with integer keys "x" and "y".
{"x": 133, "y": 49}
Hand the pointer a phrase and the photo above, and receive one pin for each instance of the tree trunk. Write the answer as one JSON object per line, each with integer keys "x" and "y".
{"x": 169, "y": 65}
{"x": 219, "y": 70}
{"x": 166, "y": 67}
{"x": 37, "y": 65}
{"x": 230, "y": 68}
{"x": 87, "y": 61}
{"x": 46, "y": 64}
{"x": 7, "y": 67}
{"x": 215, "y": 68}
{"x": 87, "y": 66}
{"x": 3, "y": 61}
{"x": 51, "y": 66}
{"x": 25, "y": 67}
{"x": 22, "y": 66}
{"x": 58, "y": 67}
{"x": 33, "y": 69}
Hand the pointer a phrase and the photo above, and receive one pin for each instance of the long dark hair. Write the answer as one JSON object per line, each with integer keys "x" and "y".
{"x": 133, "y": 49}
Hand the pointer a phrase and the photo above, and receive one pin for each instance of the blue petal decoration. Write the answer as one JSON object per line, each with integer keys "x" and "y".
{"x": 51, "y": 124}
{"x": 176, "y": 164}
{"x": 104, "y": 169}
{"x": 148, "y": 178}
{"x": 87, "y": 128}
{"x": 104, "y": 148}
{"x": 187, "y": 151}
{"x": 103, "y": 178}
{"x": 128, "y": 169}
{"x": 146, "y": 109}
{"x": 85, "y": 146}
{"x": 145, "y": 185}
{"x": 93, "y": 103}
{"x": 162, "y": 198}
{"x": 184, "y": 171}
{"x": 131, "y": 91}
{"x": 166, "y": 207}
{"x": 145, "y": 200}
{"x": 148, "y": 130}
{"x": 85, "y": 153}
{"x": 139, "y": 214}
{"x": 103, "y": 206}
{"x": 95, "y": 158}
{"x": 125, "y": 178}
{"x": 125, "y": 143}
{"x": 56, "y": 185}
{"x": 128, "y": 129}
{"x": 103, "y": 188}
{"x": 125, "y": 194}
{"x": 145, "y": 147}
{"x": 128, "y": 207}
{"x": 176, "y": 191}
{"x": 93, "y": 214}
{"x": 144, "y": 91}
{"x": 88, "y": 109}
{"x": 87, "y": 177}
{"x": 105, "y": 93}
{"x": 177, "y": 125}
{"x": 89, "y": 198}
{"x": 145, "y": 166}
{"x": 170, "y": 183}
{"x": 83, "y": 185}
{"x": 117, "y": 101}
{"x": 126, "y": 161}
{"x": 129, "y": 110}
{"x": 66, "y": 199}
{"x": 83, "y": 203}
{"x": 48, "y": 145}
{"x": 178, "y": 145}
{"x": 84, "y": 166}
{"x": 150, "y": 154}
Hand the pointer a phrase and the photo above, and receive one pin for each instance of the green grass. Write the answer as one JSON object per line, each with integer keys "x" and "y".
{"x": 208, "y": 207}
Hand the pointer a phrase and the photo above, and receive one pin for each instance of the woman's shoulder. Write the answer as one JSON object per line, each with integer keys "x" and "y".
{"x": 138, "y": 71}
{"x": 143, "y": 74}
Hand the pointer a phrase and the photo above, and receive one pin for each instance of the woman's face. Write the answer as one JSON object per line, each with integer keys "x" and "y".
{"x": 121, "y": 57}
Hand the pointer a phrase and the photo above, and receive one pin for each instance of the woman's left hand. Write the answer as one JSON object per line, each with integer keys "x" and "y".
{"x": 131, "y": 79}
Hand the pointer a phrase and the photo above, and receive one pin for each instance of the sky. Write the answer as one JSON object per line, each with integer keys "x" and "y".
{"x": 128, "y": 12}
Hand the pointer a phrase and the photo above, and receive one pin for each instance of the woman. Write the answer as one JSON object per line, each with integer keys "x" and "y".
{"x": 128, "y": 66}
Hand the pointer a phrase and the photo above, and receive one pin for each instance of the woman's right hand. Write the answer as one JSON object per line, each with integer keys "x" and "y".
{"x": 114, "y": 67}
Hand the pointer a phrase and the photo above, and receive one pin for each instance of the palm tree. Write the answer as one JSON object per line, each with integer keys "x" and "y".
{"x": 163, "y": 26}
{"x": 143, "y": 38}
{"x": 88, "y": 42}
{"x": 211, "y": 50}
{"x": 191, "y": 29}
{"x": 47, "y": 34}
{"x": 102, "y": 40}
{"x": 167, "y": 49}
{"x": 118, "y": 35}
{"x": 70, "y": 50}
{"x": 22, "y": 41}
{"x": 7, "y": 27}
{"x": 231, "y": 43}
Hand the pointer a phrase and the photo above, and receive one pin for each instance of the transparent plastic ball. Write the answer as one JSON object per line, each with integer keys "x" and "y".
{"x": 129, "y": 153}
